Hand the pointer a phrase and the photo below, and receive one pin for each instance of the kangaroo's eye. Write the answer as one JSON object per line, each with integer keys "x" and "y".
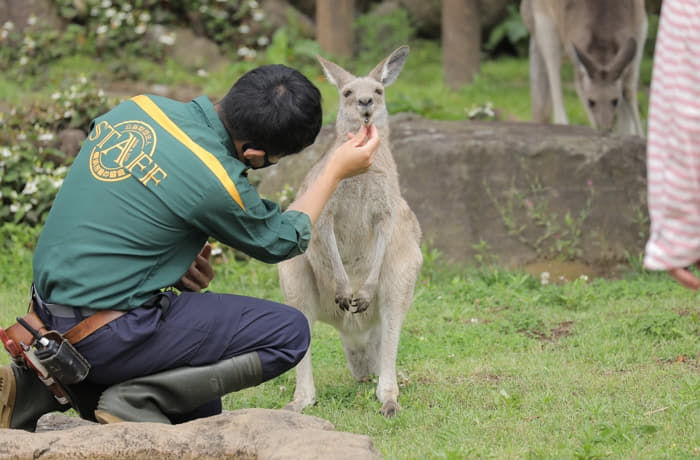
{"x": 614, "y": 102}
{"x": 347, "y": 93}
{"x": 591, "y": 103}
{"x": 379, "y": 91}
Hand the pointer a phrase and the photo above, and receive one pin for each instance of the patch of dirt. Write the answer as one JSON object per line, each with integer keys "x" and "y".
{"x": 563, "y": 329}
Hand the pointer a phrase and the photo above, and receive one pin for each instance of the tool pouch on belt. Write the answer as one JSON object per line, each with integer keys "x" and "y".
{"x": 48, "y": 352}
{"x": 61, "y": 360}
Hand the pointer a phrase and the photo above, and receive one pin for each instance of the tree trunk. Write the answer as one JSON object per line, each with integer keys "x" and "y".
{"x": 334, "y": 20}
{"x": 461, "y": 41}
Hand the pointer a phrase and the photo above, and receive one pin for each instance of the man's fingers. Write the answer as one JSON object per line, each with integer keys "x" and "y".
{"x": 685, "y": 277}
{"x": 206, "y": 251}
{"x": 187, "y": 284}
{"x": 204, "y": 267}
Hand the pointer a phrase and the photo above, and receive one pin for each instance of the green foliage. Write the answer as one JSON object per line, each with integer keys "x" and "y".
{"x": 512, "y": 31}
{"x": 31, "y": 167}
{"x": 289, "y": 47}
{"x": 377, "y": 35}
{"x": 522, "y": 212}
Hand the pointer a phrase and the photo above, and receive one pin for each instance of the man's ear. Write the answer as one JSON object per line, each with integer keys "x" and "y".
{"x": 251, "y": 153}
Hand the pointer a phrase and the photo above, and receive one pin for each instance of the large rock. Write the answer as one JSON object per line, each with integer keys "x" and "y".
{"x": 242, "y": 434}
{"x": 515, "y": 193}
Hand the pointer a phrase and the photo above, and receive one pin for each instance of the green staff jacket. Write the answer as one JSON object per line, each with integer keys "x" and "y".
{"x": 153, "y": 181}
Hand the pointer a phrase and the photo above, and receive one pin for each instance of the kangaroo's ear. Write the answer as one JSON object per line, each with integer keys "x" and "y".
{"x": 624, "y": 56}
{"x": 584, "y": 63}
{"x": 388, "y": 70}
{"x": 334, "y": 73}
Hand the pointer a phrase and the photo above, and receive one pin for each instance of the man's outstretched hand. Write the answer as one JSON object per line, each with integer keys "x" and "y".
{"x": 200, "y": 273}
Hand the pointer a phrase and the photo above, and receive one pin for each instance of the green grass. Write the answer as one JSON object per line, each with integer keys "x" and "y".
{"x": 492, "y": 364}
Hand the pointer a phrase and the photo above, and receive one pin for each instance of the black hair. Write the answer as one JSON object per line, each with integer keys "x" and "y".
{"x": 274, "y": 107}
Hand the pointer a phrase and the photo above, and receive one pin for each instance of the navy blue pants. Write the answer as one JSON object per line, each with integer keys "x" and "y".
{"x": 197, "y": 329}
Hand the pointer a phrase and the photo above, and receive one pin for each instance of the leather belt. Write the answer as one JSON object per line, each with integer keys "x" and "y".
{"x": 74, "y": 335}
{"x": 66, "y": 311}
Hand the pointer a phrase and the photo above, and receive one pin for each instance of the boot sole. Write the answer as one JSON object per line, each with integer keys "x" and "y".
{"x": 8, "y": 392}
{"x": 106, "y": 418}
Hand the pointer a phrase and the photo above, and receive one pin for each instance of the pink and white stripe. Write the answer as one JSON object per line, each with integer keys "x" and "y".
{"x": 673, "y": 147}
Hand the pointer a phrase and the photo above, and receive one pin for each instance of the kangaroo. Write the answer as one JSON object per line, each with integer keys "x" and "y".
{"x": 360, "y": 269}
{"x": 604, "y": 40}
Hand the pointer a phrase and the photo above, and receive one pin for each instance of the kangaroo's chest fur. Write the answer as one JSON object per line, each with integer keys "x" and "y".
{"x": 360, "y": 207}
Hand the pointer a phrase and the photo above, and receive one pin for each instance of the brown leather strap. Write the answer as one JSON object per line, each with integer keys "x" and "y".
{"x": 19, "y": 334}
{"x": 91, "y": 324}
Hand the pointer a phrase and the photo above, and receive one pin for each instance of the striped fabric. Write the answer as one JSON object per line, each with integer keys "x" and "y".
{"x": 673, "y": 147}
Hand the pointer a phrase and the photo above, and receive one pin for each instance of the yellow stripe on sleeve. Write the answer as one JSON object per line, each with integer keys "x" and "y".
{"x": 207, "y": 158}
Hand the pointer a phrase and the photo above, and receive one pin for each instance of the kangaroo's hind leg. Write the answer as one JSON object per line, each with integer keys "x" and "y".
{"x": 299, "y": 288}
{"x": 395, "y": 299}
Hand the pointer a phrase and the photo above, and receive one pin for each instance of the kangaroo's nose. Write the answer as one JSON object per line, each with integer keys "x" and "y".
{"x": 366, "y": 101}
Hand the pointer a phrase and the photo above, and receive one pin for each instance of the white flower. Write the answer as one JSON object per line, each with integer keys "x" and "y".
{"x": 244, "y": 51}
{"x": 216, "y": 251}
{"x": 29, "y": 43}
{"x": 14, "y": 207}
{"x": 244, "y": 29}
{"x": 27, "y": 207}
{"x": 4, "y": 34}
{"x": 202, "y": 72}
{"x": 106, "y": 4}
{"x": 94, "y": 11}
{"x": 144, "y": 17}
{"x": 252, "y": 4}
{"x": 140, "y": 29}
{"x": 30, "y": 188}
{"x": 167, "y": 39}
{"x": 110, "y": 12}
{"x": 102, "y": 29}
{"x": 46, "y": 137}
{"x": 55, "y": 95}
{"x": 21, "y": 136}
{"x": 60, "y": 171}
{"x": 544, "y": 278}
{"x": 68, "y": 114}
{"x": 56, "y": 183}
{"x": 258, "y": 16}
{"x": 5, "y": 152}
{"x": 263, "y": 41}
{"x": 126, "y": 7}
{"x": 9, "y": 25}
{"x": 31, "y": 20}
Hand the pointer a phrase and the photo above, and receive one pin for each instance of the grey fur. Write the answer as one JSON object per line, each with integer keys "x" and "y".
{"x": 360, "y": 269}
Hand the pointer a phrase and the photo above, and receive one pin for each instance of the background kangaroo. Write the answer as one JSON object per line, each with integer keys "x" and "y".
{"x": 361, "y": 266}
{"x": 604, "y": 40}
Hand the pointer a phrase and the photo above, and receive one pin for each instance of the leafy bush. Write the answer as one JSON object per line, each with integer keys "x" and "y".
{"x": 31, "y": 167}
{"x": 132, "y": 28}
{"x": 377, "y": 35}
{"x": 510, "y": 33}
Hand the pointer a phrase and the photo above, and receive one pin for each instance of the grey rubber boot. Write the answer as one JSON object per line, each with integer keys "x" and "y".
{"x": 23, "y": 398}
{"x": 177, "y": 391}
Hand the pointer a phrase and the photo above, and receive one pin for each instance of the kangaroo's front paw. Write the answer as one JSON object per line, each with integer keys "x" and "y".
{"x": 358, "y": 305}
{"x": 343, "y": 302}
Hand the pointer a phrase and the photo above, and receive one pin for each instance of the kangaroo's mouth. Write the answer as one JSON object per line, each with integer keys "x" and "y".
{"x": 366, "y": 117}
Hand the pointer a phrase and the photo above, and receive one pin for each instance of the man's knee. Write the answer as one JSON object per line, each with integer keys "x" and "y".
{"x": 302, "y": 338}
